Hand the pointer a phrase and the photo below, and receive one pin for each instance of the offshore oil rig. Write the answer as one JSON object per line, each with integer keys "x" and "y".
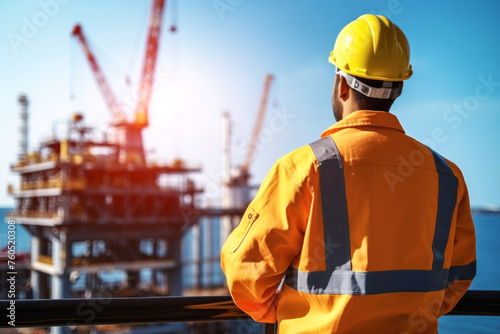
{"x": 93, "y": 204}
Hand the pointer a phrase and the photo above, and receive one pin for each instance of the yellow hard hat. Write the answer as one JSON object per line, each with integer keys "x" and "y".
{"x": 372, "y": 47}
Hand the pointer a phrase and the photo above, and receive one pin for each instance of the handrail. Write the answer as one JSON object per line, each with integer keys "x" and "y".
{"x": 478, "y": 302}
{"x": 106, "y": 310}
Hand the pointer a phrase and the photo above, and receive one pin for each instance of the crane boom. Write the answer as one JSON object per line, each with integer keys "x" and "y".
{"x": 148, "y": 70}
{"x": 109, "y": 97}
{"x": 258, "y": 125}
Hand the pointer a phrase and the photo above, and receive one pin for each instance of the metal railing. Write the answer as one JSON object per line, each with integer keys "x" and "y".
{"x": 105, "y": 310}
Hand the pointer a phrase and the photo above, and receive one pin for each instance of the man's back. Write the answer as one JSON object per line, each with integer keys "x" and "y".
{"x": 392, "y": 189}
{"x": 381, "y": 267}
{"x": 370, "y": 230}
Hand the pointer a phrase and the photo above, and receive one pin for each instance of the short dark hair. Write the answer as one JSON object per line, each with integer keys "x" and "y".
{"x": 369, "y": 103}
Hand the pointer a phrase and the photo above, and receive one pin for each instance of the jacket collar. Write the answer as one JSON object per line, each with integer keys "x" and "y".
{"x": 366, "y": 118}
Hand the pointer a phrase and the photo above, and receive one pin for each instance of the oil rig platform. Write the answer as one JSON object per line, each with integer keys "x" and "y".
{"x": 87, "y": 212}
{"x": 94, "y": 205}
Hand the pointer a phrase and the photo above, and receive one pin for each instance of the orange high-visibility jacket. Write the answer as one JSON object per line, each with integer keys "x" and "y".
{"x": 370, "y": 230}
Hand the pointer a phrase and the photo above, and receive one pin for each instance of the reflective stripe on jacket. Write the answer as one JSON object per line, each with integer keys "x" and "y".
{"x": 371, "y": 228}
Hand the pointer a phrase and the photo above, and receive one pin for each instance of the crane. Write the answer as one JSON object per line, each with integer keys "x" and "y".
{"x": 129, "y": 134}
{"x": 102, "y": 82}
{"x": 257, "y": 126}
{"x": 148, "y": 69}
{"x": 235, "y": 188}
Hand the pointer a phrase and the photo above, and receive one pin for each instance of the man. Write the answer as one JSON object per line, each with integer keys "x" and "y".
{"x": 370, "y": 230}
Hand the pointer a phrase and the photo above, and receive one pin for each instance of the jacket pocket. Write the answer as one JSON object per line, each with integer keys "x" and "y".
{"x": 238, "y": 235}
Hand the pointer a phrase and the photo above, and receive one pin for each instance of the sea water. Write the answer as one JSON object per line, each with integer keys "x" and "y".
{"x": 487, "y": 278}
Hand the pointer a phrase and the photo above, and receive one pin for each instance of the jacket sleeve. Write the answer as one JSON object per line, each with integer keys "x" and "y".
{"x": 463, "y": 263}
{"x": 269, "y": 236}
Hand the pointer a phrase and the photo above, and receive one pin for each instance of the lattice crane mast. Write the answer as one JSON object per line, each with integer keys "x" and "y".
{"x": 128, "y": 134}
{"x": 148, "y": 70}
{"x": 102, "y": 82}
{"x": 147, "y": 75}
{"x": 257, "y": 126}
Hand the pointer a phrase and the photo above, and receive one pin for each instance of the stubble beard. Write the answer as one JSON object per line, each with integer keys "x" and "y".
{"x": 337, "y": 107}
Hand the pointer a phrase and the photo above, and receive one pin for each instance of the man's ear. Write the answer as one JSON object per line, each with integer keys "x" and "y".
{"x": 344, "y": 89}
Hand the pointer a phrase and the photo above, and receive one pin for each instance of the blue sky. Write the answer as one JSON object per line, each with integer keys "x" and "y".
{"x": 218, "y": 60}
